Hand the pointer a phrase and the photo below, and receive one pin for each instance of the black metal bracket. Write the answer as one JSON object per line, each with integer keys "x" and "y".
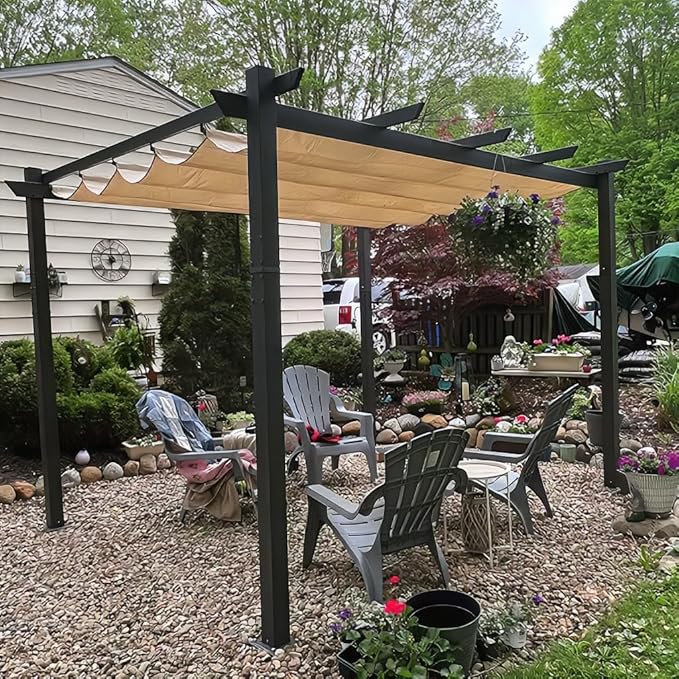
{"x": 484, "y": 139}
{"x": 549, "y": 156}
{"x": 397, "y": 117}
{"x": 24, "y": 289}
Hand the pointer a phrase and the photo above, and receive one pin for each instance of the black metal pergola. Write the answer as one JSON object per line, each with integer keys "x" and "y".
{"x": 258, "y": 106}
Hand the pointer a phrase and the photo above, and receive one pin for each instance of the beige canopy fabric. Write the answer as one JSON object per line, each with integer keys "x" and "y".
{"x": 319, "y": 179}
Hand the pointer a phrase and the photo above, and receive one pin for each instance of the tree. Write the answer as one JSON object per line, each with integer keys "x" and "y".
{"x": 205, "y": 329}
{"x": 610, "y": 83}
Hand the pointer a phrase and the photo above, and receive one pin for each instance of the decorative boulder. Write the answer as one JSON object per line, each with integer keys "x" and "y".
{"x": 408, "y": 422}
{"x": 291, "y": 441}
{"x": 131, "y": 468}
{"x": 352, "y": 428}
{"x": 472, "y": 420}
{"x": 436, "y": 421}
{"x": 113, "y": 471}
{"x": 336, "y": 430}
{"x": 393, "y": 425}
{"x": 7, "y": 494}
{"x": 163, "y": 461}
{"x": 23, "y": 489}
{"x": 148, "y": 464}
{"x": 486, "y": 423}
{"x": 561, "y": 433}
{"x": 575, "y": 436}
{"x": 40, "y": 486}
{"x": 473, "y": 435}
{"x": 90, "y": 474}
{"x": 632, "y": 444}
{"x": 582, "y": 426}
{"x": 583, "y": 454}
{"x": 479, "y": 438}
{"x": 572, "y": 424}
{"x": 406, "y": 436}
{"x": 423, "y": 428}
{"x": 387, "y": 436}
{"x": 457, "y": 423}
{"x": 535, "y": 423}
{"x": 70, "y": 479}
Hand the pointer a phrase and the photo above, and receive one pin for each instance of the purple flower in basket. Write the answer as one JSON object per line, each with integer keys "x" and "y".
{"x": 493, "y": 194}
{"x": 534, "y": 198}
{"x": 673, "y": 459}
{"x": 661, "y": 469}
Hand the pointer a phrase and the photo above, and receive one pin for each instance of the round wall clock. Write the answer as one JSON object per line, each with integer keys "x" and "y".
{"x": 111, "y": 260}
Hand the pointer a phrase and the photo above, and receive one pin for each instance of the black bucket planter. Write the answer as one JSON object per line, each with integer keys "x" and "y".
{"x": 595, "y": 426}
{"x": 455, "y": 615}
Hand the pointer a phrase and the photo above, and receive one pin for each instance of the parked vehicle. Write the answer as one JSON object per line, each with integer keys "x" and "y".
{"x": 341, "y": 309}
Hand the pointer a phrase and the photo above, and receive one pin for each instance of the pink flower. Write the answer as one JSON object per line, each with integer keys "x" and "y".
{"x": 555, "y": 341}
{"x": 394, "y": 580}
{"x": 520, "y": 419}
{"x": 661, "y": 469}
{"x": 537, "y": 342}
{"x": 497, "y": 419}
{"x": 201, "y": 406}
{"x": 394, "y": 607}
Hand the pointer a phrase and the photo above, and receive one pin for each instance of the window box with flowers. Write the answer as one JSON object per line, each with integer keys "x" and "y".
{"x": 143, "y": 445}
{"x": 559, "y": 355}
{"x": 654, "y": 476}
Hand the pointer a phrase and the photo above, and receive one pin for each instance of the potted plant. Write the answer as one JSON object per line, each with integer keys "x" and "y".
{"x": 143, "y": 445}
{"x": 654, "y": 475}
{"x": 350, "y": 396}
{"x": 594, "y": 416}
{"x": 422, "y": 402}
{"x": 516, "y": 620}
{"x": 239, "y": 420}
{"x": 53, "y": 279}
{"x": 20, "y": 274}
{"x": 559, "y": 355}
{"x": 393, "y": 361}
{"x": 489, "y": 641}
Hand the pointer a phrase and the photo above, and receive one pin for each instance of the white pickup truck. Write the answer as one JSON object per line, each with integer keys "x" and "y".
{"x": 341, "y": 309}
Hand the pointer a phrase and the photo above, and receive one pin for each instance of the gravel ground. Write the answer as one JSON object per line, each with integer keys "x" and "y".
{"x": 124, "y": 590}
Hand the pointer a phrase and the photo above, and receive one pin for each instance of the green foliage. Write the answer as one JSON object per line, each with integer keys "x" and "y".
{"x": 638, "y": 638}
{"x": 608, "y": 84}
{"x": 666, "y": 382}
{"x": 649, "y": 559}
{"x": 205, "y": 330}
{"x": 95, "y": 403}
{"x": 581, "y": 403}
{"x": 237, "y": 418}
{"x": 335, "y": 351}
{"x": 488, "y": 398}
{"x": 130, "y": 349}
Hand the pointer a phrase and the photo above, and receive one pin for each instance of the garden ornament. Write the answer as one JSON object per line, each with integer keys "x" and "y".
{"x": 471, "y": 345}
{"x": 445, "y": 371}
{"x": 511, "y": 353}
{"x": 509, "y": 316}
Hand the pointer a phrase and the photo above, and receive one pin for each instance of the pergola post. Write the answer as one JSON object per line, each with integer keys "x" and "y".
{"x": 44, "y": 359}
{"x": 366, "y": 311}
{"x": 266, "y": 344}
{"x": 609, "y": 328}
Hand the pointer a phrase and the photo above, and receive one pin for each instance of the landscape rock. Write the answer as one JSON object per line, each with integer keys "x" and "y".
{"x": 575, "y": 436}
{"x": 291, "y": 441}
{"x": 335, "y": 429}
{"x": 352, "y": 428}
{"x": 572, "y": 424}
{"x": 479, "y": 438}
{"x": 583, "y": 453}
{"x": 457, "y": 423}
{"x": 23, "y": 489}
{"x": 473, "y": 435}
{"x": 387, "y": 436}
{"x": 597, "y": 460}
{"x": 131, "y": 468}
{"x": 435, "y": 421}
{"x": 472, "y": 420}
{"x": 148, "y": 464}
{"x": 408, "y": 422}
{"x": 163, "y": 461}
{"x": 487, "y": 422}
{"x": 70, "y": 479}
{"x": 423, "y": 428}
{"x": 535, "y": 422}
{"x": 113, "y": 471}
{"x": 40, "y": 486}
{"x": 7, "y": 495}
{"x": 90, "y": 474}
{"x": 660, "y": 528}
{"x": 561, "y": 433}
{"x": 582, "y": 426}
{"x": 632, "y": 444}
{"x": 393, "y": 425}
{"x": 406, "y": 436}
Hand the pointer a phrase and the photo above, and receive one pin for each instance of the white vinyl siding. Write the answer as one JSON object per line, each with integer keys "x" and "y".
{"x": 48, "y": 119}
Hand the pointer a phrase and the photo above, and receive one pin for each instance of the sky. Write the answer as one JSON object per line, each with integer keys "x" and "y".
{"x": 535, "y": 19}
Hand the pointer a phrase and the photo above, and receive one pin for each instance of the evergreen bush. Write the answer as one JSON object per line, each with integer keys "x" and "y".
{"x": 205, "y": 330}
{"x": 335, "y": 351}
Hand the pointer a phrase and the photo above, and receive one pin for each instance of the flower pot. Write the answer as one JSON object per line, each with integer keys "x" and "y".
{"x": 489, "y": 650}
{"x": 516, "y": 638}
{"x": 555, "y": 362}
{"x": 393, "y": 368}
{"x": 420, "y": 409}
{"x": 567, "y": 452}
{"x": 657, "y": 492}
{"x": 455, "y": 615}
{"x": 134, "y": 452}
{"x": 19, "y": 276}
{"x": 595, "y": 426}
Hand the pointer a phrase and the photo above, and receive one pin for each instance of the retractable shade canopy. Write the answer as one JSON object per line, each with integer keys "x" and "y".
{"x": 319, "y": 179}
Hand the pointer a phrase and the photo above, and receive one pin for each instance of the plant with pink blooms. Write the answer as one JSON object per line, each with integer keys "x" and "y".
{"x": 561, "y": 344}
{"x": 649, "y": 461}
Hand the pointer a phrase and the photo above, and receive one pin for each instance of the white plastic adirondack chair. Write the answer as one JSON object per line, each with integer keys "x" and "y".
{"x": 307, "y": 392}
{"x": 399, "y": 513}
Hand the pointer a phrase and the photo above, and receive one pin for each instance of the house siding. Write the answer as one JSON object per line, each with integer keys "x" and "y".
{"x": 49, "y": 119}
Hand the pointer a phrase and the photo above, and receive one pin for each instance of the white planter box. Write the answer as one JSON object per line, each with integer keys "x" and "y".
{"x": 135, "y": 452}
{"x": 557, "y": 362}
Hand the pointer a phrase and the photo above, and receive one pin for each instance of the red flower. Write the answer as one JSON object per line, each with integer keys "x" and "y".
{"x": 497, "y": 419}
{"x": 201, "y": 406}
{"x": 394, "y": 607}
{"x": 520, "y": 419}
{"x": 394, "y": 580}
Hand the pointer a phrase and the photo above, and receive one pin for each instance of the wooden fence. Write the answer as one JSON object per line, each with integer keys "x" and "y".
{"x": 489, "y": 328}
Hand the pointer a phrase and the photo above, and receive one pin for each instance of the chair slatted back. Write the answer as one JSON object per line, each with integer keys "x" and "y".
{"x": 306, "y": 390}
{"x": 416, "y": 476}
{"x": 555, "y": 412}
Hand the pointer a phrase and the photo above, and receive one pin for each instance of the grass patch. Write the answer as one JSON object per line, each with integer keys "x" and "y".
{"x": 639, "y": 638}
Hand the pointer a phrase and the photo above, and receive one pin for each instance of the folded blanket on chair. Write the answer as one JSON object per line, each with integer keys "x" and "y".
{"x": 320, "y": 437}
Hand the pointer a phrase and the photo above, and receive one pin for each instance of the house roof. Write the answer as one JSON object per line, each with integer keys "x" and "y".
{"x": 110, "y": 62}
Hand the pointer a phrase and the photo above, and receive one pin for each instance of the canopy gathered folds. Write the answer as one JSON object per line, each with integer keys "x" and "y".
{"x": 319, "y": 179}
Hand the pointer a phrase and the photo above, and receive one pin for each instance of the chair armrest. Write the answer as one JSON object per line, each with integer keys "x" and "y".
{"x": 493, "y": 455}
{"x": 205, "y": 455}
{"x": 369, "y": 501}
{"x": 300, "y": 428}
{"x": 328, "y": 498}
{"x": 366, "y": 419}
{"x": 490, "y": 436}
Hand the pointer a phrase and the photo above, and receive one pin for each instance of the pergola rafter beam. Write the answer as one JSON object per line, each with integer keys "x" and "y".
{"x": 286, "y": 82}
{"x": 475, "y": 141}
{"x": 605, "y": 167}
{"x": 397, "y": 117}
{"x": 550, "y": 156}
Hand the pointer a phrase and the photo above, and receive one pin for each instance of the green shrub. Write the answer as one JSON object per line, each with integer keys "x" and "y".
{"x": 335, "y": 351}
{"x": 87, "y": 359}
{"x": 668, "y": 402}
{"x": 116, "y": 381}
